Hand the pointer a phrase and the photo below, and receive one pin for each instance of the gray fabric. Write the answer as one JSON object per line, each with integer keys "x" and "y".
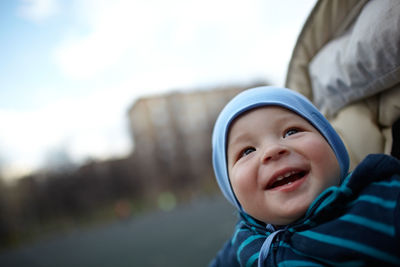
{"x": 363, "y": 61}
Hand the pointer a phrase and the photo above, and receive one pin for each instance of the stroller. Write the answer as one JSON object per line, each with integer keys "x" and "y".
{"x": 347, "y": 62}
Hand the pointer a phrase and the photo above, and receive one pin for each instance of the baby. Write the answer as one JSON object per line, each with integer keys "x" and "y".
{"x": 283, "y": 166}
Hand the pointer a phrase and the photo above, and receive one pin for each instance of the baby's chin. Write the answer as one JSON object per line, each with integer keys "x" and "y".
{"x": 281, "y": 220}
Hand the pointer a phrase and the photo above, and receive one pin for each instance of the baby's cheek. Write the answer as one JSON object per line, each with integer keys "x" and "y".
{"x": 318, "y": 147}
{"x": 242, "y": 183}
{"x": 323, "y": 156}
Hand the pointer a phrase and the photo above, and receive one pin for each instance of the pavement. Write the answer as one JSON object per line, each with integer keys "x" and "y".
{"x": 189, "y": 235}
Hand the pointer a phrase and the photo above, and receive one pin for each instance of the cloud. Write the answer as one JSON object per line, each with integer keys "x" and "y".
{"x": 83, "y": 58}
{"x": 115, "y": 29}
{"x": 88, "y": 126}
{"x": 38, "y": 10}
{"x": 155, "y": 34}
{"x": 210, "y": 39}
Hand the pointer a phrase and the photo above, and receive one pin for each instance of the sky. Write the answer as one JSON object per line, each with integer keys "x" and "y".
{"x": 70, "y": 69}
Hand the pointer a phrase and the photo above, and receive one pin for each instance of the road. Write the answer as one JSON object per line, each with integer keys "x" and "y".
{"x": 189, "y": 235}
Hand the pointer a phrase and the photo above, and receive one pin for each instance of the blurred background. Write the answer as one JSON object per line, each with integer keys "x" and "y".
{"x": 106, "y": 114}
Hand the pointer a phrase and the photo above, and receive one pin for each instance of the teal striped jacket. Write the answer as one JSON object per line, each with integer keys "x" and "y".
{"x": 354, "y": 224}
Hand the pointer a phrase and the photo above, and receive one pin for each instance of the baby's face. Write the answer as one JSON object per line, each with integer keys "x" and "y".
{"x": 278, "y": 163}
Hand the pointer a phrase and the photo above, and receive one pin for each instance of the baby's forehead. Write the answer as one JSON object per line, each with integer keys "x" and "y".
{"x": 274, "y": 112}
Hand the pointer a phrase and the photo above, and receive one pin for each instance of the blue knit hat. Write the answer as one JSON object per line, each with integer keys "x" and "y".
{"x": 268, "y": 96}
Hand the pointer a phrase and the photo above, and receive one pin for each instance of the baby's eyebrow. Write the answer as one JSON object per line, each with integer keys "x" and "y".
{"x": 237, "y": 140}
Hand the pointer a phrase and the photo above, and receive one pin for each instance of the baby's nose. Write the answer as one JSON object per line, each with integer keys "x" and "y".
{"x": 274, "y": 152}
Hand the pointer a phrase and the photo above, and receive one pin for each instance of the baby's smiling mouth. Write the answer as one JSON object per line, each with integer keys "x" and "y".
{"x": 286, "y": 178}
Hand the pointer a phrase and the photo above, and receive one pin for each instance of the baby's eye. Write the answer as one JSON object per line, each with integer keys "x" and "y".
{"x": 247, "y": 151}
{"x": 290, "y": 132}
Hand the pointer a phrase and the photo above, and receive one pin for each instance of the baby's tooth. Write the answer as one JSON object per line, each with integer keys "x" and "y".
{"x": 288, "y": 174}
{"x": 279, "y": 178}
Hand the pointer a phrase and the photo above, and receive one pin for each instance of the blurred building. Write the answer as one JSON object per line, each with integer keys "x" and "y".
{"x": 172, "y": 157}
{"x": 172, "y": 135}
